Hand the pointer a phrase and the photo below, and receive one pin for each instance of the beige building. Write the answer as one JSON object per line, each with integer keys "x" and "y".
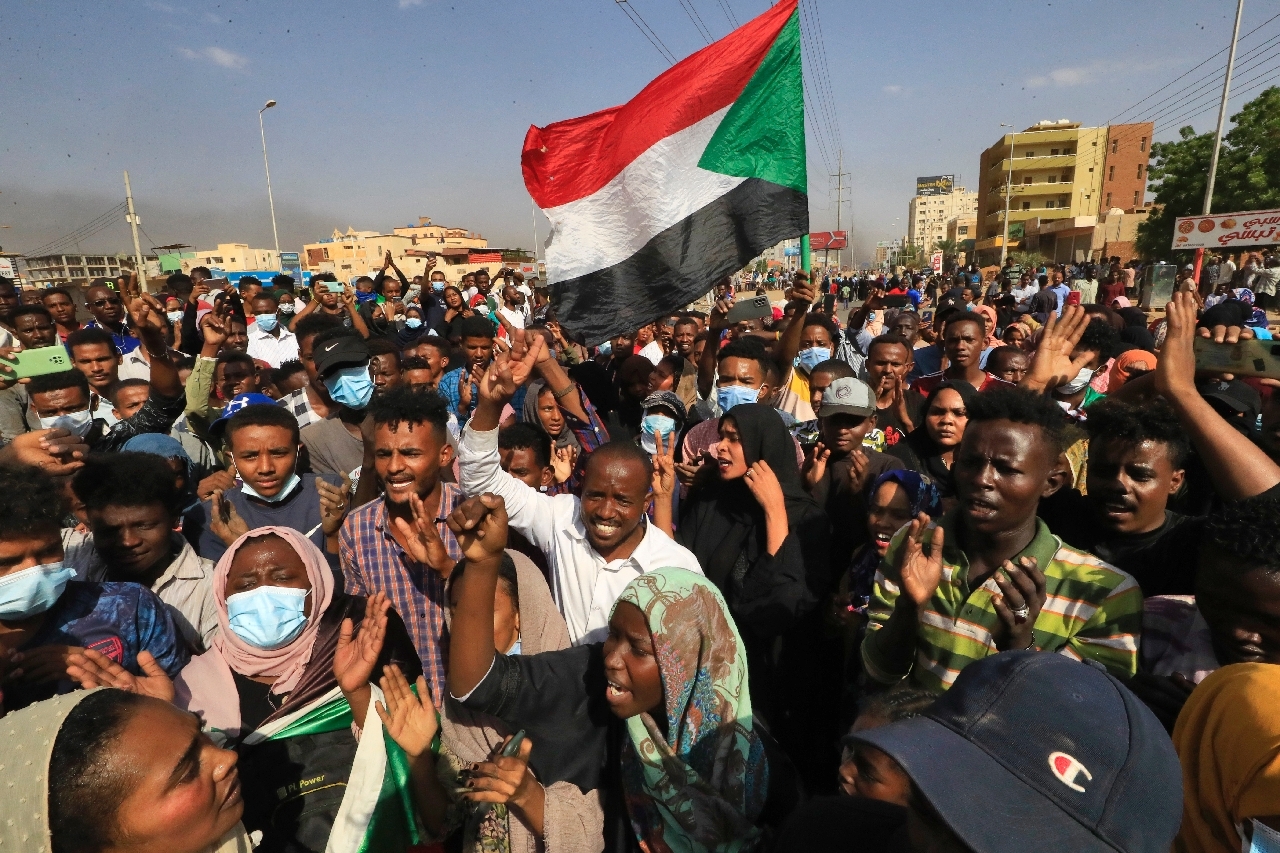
{"x": 1056, "y": 171}
{"x": 233, "y": 257}
{"x": 962, "y": 228}
{"x": 58, "y": 270}
{"x": 928, "y": 215}
{"x": 458, "y": 251}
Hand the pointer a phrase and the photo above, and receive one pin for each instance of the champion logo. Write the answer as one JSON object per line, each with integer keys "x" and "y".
{"x": 1068, "y": 769}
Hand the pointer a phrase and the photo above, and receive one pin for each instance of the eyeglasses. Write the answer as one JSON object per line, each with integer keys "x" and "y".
{"x": 110, "y": 300}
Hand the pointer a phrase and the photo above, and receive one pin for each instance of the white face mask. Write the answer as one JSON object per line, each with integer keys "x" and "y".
{"x": 1075, "y": 386}
{"x": 76, "y": 423}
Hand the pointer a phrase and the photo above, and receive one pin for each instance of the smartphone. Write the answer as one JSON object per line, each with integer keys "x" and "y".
{"x": 1246, "y": 358}
{"x": 750, "y": 309}
{"x": 40, "y": 362}
{"x": 512, "y": 748}
{"x": 219, "y": 283}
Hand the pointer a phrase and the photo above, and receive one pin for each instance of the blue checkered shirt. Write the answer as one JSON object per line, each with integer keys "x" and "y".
{"x": 448, "y": 388}
{"x": 372, "y": 561}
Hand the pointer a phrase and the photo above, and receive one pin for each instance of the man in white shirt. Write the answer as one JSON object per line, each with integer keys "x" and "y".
{"x": 1226, "y": 270}
{"x": 268, "y": 340}
{"x": 512, "y": 309}
{"x": 595, "y": 545}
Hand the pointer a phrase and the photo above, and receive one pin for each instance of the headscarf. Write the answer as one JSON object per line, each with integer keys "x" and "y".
{"x": 286, "y": 663}
{"x": 1120, "y": 366}
{"x": 926, "y": 450}
{"x": 24, "y": 776}
{"x": 168, "y": 447}
{"x": 1228, "y": 740}
{"x": 529, "y": 414}
{"x": 722, "y": 516}
{"x": 1244, "y": 295}
{"x": 922, "y": 496}
{"x": 1121, "y": 302}
{"x": 702, "y": 786}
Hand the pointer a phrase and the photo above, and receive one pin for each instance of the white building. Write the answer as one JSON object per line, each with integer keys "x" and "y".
{"x": 928, "y": 215}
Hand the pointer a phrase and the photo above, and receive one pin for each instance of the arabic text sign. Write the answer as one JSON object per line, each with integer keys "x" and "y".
{"x": 1227, "y": 230}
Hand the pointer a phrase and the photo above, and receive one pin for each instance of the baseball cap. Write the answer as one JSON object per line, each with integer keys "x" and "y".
{"x": 339, "y": 352}
{"x": 238, "y": 402}
{"x": 848, "y": 396}
{"x": 1236, "y": 395}
{"x": 1035, "y": 750}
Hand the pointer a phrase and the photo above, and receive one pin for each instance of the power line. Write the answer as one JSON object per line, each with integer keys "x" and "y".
{"x": 1212, "y": 104}
{"x": 696, "y": 19}
{"x": 84, "y": 232}
{"x": 645, "y": 30}
{"x": 1211, "y": 84}
{"x": 728, "y": 13}
{"x": 1188, "y": 71}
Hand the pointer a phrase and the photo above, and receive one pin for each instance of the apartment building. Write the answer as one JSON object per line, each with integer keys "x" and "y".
{"x": 928, "y": 215}
{"x": 1055, "y": 171}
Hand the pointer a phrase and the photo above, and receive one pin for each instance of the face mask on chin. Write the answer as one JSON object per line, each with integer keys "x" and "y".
{"x": 1075, "y": 386}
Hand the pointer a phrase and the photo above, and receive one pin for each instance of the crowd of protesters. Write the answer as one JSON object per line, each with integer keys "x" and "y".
{"x": 924, "y": 563}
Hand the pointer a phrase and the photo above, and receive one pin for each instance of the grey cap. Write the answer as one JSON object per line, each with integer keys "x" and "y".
{"x": 848, "y": 397}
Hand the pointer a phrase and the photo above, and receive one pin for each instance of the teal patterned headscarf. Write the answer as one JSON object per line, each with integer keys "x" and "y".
{"x": 702, "y": 786}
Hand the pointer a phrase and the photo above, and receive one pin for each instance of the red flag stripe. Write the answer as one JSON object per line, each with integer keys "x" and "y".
{"x": 572, "y": 159}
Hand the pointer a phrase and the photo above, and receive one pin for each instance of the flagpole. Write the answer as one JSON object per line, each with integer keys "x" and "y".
{"x": 806, "y": 256}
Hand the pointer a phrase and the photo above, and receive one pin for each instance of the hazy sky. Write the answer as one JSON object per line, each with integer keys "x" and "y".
{"x": 391, "y": 109}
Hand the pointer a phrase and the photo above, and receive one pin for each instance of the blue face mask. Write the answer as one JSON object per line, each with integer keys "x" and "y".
{"x": 735, "y": 395}
{"x": 606, "y": 348}
{"x": 175, "y": 316}
{"x": 33, "y": 591}
{"x": 289, "y": 485}
{"x": 268, "y": 617}
{"x": 413, "y": 322}
{"x": 808, "y": 359}
{"x": 514, "y": 650}
{"x": 658, "y": 425}
{"x": 351, "y": 386}
{"x": 266, "y": 322}
{"x": 437, "y": 286}
{"x": 362, "y": 297}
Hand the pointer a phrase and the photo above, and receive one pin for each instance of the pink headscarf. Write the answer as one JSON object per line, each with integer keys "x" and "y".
{"x": 1122, "y": 302}
{"x": 286, "y": 663}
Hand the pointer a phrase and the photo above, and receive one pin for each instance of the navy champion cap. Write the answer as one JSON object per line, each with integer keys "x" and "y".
{"x": 1035, "y": 751}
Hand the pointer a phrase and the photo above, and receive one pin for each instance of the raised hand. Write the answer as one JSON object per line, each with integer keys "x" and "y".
{"x": 1176, "y": 367}
{"x": 357, "y": 653}
{"x": 92, "y": 669}
{"x": 664, "y": 466}
{"x": 859, "y": 467}
{"x": 146, "y": 314}
{"x": 919, "y": 572}
{"x": 498, "y": 385}
{"x": 410, "y": 720}
{"x": 333, "y": 504}
{"x": 562, "y": 461}
{"x": 422, "y": 539}
{"x": 765, "y": 487}
{"x": 214, "y": 328}
{"x": 224, "y": 521}
{"x": 522, "y": 366}
{"x": 480, "y": 526}
{"x": 465, "y": 379}
{"x": 1022, "y": 594}
{"x": 1053, "y": 363}
{"x": 900, "y": 403}
{"x": 803, "y": 289}
{"x": 817, "y": 467}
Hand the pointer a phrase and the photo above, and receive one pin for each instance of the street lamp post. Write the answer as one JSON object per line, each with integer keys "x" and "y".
{"x": 270, "y": 199}
{"x": 1008, "y": 190}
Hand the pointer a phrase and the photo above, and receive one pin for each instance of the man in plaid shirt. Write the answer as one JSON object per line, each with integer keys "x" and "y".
{"x": 395, "y": 544}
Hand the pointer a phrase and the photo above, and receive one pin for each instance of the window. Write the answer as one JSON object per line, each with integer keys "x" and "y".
{"x": 1053, "y": 152}
{"x": 1029, "y": 154}
{"x": 1090, "y": 168}
{"x": 1053, "y": 179}
{"x": 326, "y": 254}
{"x": 1026, "y": 205}
{"x": 1108, "y": 201}
{"x": 1136, "y": 195}
{"x": 1028, "y": 180}
{"x": 962, "y": 229}
{"x": 1050, "y": 204}
{"x": 1115, "y": 144}
{"x": 1111, "y": 173}
{"x": 1142, "y": 145}
{"x": 1140, "y": 168}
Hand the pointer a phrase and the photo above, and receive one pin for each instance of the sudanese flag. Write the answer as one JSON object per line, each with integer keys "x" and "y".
{"x": 653, "y": 201}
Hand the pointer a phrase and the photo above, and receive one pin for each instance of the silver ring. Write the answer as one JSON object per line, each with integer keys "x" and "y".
{"x": 1022, "y": 612}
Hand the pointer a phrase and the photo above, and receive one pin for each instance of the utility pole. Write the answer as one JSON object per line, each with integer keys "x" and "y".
{"x": 132, "y": 218}
{"x": 840, "y": 175}
{"x": 1222, "y": 121}
{"x": 267, "y": 166}
{"x": 1008, "y": 189}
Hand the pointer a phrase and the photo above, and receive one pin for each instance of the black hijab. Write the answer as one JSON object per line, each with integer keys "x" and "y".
{"x": 721, "y": 519}
{"x": 919, "y": 452}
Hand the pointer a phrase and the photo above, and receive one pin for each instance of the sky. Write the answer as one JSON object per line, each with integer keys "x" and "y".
{"x": 393, "y": 109}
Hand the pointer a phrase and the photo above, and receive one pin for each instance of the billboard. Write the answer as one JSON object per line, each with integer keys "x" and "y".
{"x": 1227, "y": 230}
{"x": 935, "y": 185}
{"x": 935, "y": 261}
{"x": 820, "y": 240}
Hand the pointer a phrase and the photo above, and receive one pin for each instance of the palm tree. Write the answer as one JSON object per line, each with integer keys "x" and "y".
{"x": 949, "y": 249}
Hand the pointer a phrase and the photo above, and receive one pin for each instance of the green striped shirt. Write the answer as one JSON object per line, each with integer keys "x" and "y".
{"x": 1092, "y": 610}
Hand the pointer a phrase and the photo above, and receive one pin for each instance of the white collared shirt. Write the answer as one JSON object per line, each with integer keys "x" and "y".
{"x": 265, "y": 346}
{"x": 583, "y": 584}
{"x": 134, "y": 365}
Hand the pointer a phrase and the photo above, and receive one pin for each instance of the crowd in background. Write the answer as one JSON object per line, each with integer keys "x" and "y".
{"x": 912, "y": 562}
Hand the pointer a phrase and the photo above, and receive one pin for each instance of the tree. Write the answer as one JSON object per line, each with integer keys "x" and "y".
{"x": 949, "y": 250}
{"x": 1248, "y": 172}
{"x": 1028, "y": 259}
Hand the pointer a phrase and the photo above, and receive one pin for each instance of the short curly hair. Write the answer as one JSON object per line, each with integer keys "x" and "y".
{"x": 406, "y": 404}
{"x": 127, "y": 479}
{"x": 1246, "y": 531}
{"x": 1099, "y": 336}
{"x": 1020, "y": 407}
{"x": 1155, "y": 420}
{"x": 30, "y": 503}
{"x": 819, "y": 319}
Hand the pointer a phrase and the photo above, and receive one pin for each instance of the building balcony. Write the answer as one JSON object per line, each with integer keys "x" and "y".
{"x": 1039, "y": 188}
{"x": 1039, "y": 162}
